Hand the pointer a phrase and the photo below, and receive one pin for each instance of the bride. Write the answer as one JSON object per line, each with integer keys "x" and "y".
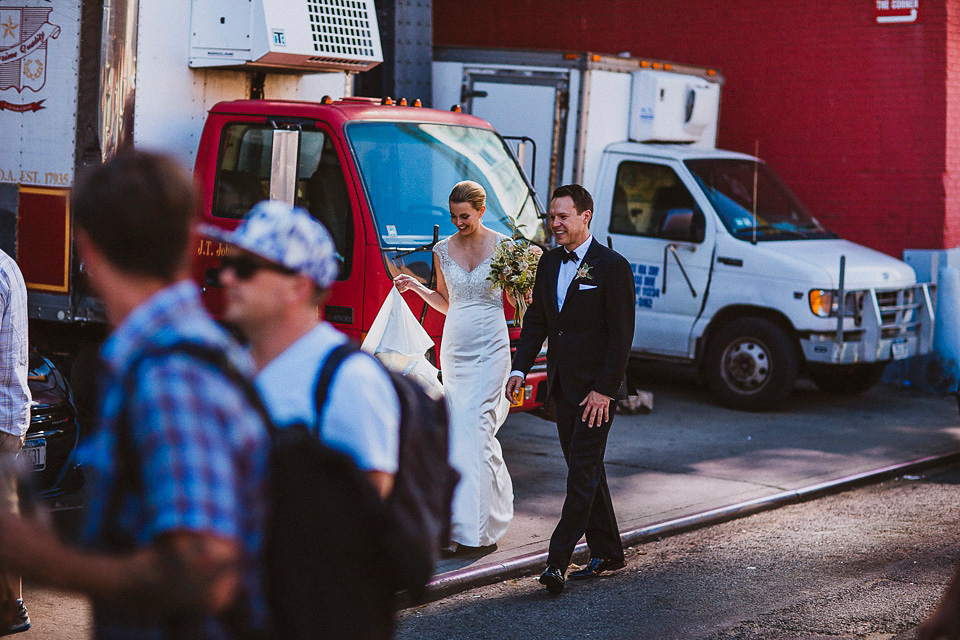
{"x": 475, "y": 362}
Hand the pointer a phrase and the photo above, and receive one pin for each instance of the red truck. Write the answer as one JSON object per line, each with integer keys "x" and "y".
{"x": 77, "y": 81}
{"x": 377, "y": 175}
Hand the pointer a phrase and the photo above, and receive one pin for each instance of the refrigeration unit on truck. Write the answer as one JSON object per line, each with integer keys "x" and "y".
{"x": 255, "y": 96}
{"x": 732, "y": 272}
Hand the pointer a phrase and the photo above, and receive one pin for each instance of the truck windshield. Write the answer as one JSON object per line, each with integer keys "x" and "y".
{"x": 408, "y": 170}
{"x": 730, "y": 186}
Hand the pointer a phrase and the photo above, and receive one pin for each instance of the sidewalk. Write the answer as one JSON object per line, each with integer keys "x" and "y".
{"x": 690, "y": 457}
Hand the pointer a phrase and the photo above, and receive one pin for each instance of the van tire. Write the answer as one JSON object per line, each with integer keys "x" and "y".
{"x": 849, "y": 378}
{"x": 751, "y": 364}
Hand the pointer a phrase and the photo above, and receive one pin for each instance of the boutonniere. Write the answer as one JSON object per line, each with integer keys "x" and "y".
{"x": 583, "y": 273}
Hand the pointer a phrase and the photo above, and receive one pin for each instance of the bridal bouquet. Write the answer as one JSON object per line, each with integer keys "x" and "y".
{"x": 514, "y": 269}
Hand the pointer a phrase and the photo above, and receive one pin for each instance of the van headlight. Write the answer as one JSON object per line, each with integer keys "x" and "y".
{"x": 824, "y": 303}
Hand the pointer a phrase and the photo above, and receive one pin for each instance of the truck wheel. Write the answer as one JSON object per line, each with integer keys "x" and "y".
{"x": 848, "y": 378}
{"x": 751, "y": 364}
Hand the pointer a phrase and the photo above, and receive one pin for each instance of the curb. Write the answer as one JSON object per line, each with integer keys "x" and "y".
{"x": 447, "y": 584}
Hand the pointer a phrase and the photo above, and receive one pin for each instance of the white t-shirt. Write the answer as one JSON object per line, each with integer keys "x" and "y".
{"x": 362, "y": 415}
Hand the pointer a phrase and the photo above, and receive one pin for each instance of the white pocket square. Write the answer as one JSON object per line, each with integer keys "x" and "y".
{"x": 584, "y": 287}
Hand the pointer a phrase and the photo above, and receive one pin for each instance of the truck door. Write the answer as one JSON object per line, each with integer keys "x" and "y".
{"x": 534, "y": 106}
{"x": 246, "y": 174}
{"x": 655, "y": 222}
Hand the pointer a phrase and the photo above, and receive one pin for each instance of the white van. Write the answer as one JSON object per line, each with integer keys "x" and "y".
{"x": 732, "y": 272}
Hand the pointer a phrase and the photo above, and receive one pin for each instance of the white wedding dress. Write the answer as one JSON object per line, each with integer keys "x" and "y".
{"x": 475, "y": 364}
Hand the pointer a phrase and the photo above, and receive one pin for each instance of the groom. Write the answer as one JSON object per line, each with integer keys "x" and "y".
{"x": 583, "y": 302}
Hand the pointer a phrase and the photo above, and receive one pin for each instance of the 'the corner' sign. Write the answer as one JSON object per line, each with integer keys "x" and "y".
{"x": 896, "y": 11}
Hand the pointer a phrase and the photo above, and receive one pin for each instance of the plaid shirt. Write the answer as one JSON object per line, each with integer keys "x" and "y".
{"x": 203, "y": 450}
{"x": 14, "y": 392}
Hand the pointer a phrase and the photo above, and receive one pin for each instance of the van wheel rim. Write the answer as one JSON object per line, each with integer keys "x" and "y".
{"x": 745, "y": 366}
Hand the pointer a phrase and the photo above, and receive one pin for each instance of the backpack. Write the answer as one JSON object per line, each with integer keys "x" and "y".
{"x": 325, "y": 541}
{"x": 420, "y": 504}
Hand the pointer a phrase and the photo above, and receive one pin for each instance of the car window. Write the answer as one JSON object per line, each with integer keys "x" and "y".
{"x": 243, "y": 179}
{"x": 650, "y": 200}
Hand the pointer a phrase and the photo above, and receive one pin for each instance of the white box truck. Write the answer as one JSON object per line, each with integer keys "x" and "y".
{"x": 732, "y": 272}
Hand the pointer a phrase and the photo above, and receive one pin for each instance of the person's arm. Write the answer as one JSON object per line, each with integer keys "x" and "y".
{"x": 382, "y": 482}
{"x": 527, "y": 297}
{"x": 944, "y": 622}
{"x": 362, "y": 419}
{"x": 620, "y": 314}
{"x": 179, "y": 416}
{"x": 533, "y": 333}
{"x": 182, "y": 572}
{"x": 437, "y": 299}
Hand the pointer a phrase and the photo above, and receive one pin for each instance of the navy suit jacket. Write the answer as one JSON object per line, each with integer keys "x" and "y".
{"x": 589, "y": 341}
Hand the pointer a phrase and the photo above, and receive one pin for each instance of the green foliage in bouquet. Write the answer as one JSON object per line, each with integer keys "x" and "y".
{"x": 514, "y": 270}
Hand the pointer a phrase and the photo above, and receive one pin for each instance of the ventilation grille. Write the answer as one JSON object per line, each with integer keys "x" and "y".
{"x": 342, "y": 28}
{"x": 339, "y": 62}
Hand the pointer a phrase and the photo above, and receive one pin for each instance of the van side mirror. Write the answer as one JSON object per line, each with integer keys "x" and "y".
{"x": 698, "y": 230}
{"x": 687, "y": 225}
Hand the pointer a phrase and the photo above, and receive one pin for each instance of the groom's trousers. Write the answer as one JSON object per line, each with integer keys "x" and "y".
{"x": 587, "y": 508}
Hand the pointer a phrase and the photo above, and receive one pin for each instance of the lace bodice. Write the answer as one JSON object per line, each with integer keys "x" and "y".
{"x": 464, "y": 287}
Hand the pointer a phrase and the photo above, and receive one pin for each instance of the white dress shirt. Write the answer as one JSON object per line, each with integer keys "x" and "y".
{"x": 568, "y": 271}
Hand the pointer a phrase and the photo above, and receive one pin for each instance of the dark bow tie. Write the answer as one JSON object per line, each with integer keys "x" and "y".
{"x": 569, "y": 256}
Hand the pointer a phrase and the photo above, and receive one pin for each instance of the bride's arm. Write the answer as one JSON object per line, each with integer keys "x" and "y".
{"x": 527, "y": 297}
{"x": 436, "y": 299}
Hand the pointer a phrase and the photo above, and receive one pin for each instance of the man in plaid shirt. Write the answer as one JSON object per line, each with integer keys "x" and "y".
{"x": 14, "y": 420}
{"x": 178, "y": 555}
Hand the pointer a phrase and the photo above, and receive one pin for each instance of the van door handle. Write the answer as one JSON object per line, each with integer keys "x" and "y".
{"x": 733, "y": 262}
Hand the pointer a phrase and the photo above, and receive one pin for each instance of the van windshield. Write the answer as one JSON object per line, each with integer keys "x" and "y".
{"x": 730, "y": 185}
{"x": 409, "y": 168}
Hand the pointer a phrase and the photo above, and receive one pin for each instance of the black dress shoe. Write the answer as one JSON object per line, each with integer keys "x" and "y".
{"x": 552, "y": 579}
{"x": 595, "y": 567}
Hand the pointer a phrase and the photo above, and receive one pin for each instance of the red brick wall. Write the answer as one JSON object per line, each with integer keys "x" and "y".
{"x": 852, "y": 114}
{"x": 951, "y": 175}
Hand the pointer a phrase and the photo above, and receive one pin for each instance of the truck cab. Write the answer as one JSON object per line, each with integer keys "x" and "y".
{"x": 733, "y": 273}
{"x": 377, "y": 175}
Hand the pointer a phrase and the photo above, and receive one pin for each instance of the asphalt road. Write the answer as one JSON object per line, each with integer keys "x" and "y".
{"x": 868, "y": 563}
{"x": 691, "y": 456}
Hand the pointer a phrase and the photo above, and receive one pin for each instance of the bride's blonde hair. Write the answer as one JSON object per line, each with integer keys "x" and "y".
{"x": 469, "y": 191}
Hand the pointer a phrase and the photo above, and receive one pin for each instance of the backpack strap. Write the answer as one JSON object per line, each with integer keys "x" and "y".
{"x": 325, "y": 377}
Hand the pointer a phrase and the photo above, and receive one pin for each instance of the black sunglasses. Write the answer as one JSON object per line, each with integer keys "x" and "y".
{"x": 246, "y": 266}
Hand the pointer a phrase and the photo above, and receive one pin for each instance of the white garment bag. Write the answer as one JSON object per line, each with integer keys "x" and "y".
{"x": 398, "y": 340}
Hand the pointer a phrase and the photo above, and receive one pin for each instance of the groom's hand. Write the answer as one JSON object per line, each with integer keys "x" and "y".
{"x": 597, "y": 409}
{"x": 514, "y": 384}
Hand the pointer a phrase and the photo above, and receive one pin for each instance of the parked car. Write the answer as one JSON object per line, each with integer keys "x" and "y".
{"x": 49, "y": 452}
